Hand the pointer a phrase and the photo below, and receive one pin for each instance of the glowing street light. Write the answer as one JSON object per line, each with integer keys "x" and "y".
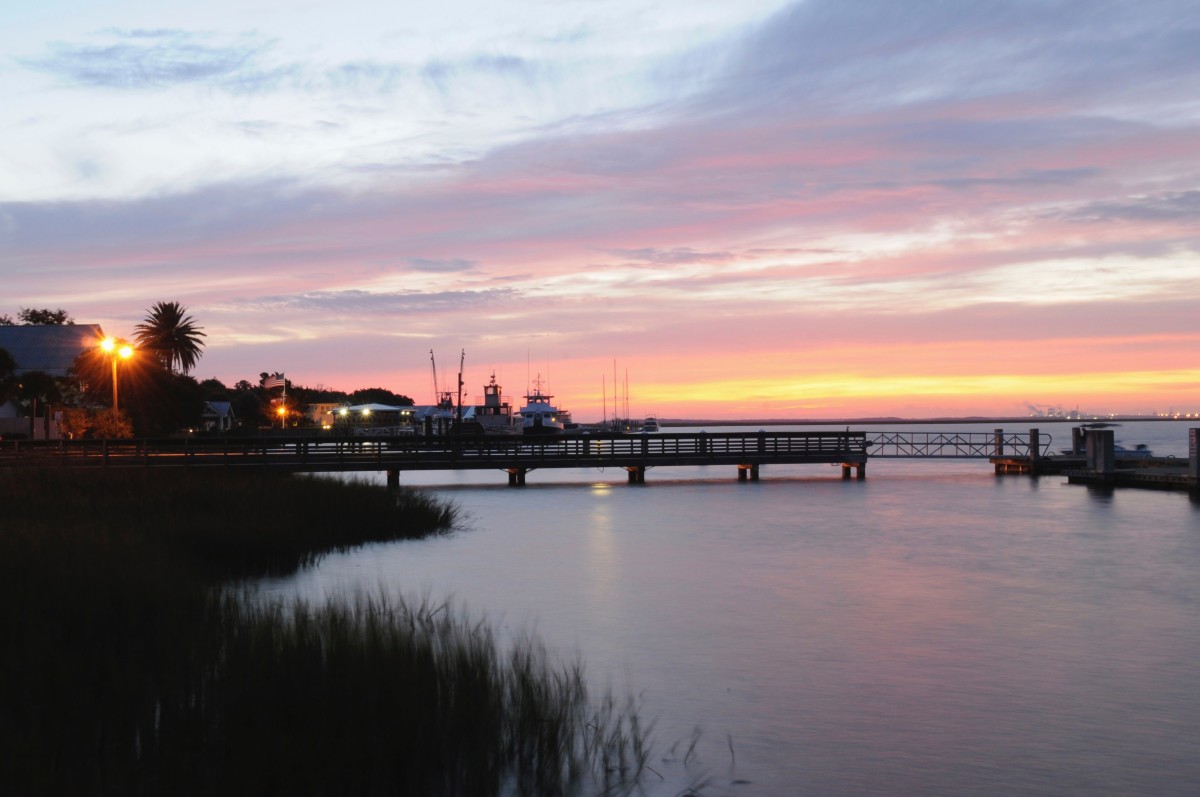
{"x": 116, "y": 350}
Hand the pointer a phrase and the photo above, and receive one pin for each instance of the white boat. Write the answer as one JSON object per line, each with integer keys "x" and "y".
{"x": 539, "y": 416}
{"x": 1140, "y": 451}
{"x": 491, "y": 415}
{"x": 650, "y": 424}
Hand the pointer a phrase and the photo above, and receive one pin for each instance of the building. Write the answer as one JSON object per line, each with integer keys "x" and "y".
{"x": 217, "y": 416}
{"x": 321, "y": 413}
{"x": 50, "y": 348}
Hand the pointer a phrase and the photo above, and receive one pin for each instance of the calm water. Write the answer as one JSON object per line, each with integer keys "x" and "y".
{"x": 931, "y": 630}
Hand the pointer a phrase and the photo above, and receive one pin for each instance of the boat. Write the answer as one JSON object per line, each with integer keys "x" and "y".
{"x": 492, "y": 415}
{"x": 650, "y": 424}
{"x": 1140, "y": 451}
{"x": 539, "y": 416}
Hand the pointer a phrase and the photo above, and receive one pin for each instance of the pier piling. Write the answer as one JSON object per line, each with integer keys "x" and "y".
{"x": 1101, "y": 451}
{"x": 1194, "y": 454}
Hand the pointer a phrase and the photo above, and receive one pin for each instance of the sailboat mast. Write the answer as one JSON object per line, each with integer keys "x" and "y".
{"x": 616, "y": 388}
{"x": 603, "y": 401}
{"x": 462, "y": 359}
{"x": 627, "y": 415}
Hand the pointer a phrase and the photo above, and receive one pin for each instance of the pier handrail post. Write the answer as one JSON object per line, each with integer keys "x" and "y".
{"x": 1034, "y": 449}
{"x": 998, "y": 442}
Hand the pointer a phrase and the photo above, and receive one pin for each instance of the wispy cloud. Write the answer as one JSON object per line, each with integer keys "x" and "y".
{"x": 442, "y": 265}
{"x": 153, "y": 59}
{"x": 679, "y": 254}
{"x": 399, "y": 303}
{"x": 1175, "y": 206}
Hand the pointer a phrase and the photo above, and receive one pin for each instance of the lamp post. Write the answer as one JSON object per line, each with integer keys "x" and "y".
{"x": 116, "y": 350}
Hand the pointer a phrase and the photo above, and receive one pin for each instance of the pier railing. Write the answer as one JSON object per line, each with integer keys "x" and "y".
{"x": 957, "y": 445}
{"x": 448, "y": 452}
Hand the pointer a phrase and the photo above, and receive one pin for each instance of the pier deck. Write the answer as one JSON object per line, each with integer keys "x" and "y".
{"x": 747, "y": 451}
{"x": 1155, "y": 477}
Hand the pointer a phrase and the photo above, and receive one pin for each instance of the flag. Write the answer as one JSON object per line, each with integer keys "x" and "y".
{"x": 275, "y": 380}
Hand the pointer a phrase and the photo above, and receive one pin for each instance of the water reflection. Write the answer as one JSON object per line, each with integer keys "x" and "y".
{"x": 932, "y": 630}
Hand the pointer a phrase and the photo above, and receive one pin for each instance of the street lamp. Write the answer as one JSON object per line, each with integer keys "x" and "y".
{"x": 116, "y": 350}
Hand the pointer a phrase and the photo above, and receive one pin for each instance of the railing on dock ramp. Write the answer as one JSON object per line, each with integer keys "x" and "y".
{"x": 956, "y": 445}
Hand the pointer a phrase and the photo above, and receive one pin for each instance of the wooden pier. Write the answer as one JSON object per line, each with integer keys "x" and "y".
{"x": 748, "y": 452}
{"x": 1091, "y": 459}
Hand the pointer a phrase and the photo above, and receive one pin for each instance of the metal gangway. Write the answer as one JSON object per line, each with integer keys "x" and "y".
{"x": 957, "y": 445}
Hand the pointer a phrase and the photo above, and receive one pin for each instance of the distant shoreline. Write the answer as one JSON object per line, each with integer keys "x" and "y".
{"x": 908, "y": 421}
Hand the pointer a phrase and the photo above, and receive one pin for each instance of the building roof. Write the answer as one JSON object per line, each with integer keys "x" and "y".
{"x": 48, "y": 347}
{"x": 377, "y": 408}
{"x": 218, "y": 409}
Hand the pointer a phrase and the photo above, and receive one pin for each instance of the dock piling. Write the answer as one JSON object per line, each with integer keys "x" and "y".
{"x": 747, "y": 472}
{"x": 1101, "y": 452}
{"x": 1194, "y": 454}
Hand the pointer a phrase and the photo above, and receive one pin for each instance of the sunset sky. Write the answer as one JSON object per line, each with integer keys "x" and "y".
{"x": 817, "y": 209}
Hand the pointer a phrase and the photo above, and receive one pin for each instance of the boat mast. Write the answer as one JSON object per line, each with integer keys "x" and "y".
{"x": 462, "y": 359}
{"x": 603, "y": 400}
{"x": 433, "y": 362}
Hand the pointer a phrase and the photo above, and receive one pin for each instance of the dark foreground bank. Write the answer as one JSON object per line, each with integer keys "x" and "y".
{"x": 130, "y": 665}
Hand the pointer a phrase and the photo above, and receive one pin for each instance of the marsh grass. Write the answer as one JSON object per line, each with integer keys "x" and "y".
{"x": 129, "y": 665}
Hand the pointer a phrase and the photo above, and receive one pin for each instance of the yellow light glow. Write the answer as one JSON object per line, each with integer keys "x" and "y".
{"x": 108, "y": 344}
{"x": 125, "y": 351}
{"x": 281, "y": 411}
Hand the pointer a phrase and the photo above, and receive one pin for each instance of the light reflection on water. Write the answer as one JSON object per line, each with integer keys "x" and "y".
{"x": 931, "y": 630}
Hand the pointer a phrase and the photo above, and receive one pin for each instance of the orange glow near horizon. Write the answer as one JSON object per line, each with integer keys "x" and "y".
{"x": 754, "y": 386}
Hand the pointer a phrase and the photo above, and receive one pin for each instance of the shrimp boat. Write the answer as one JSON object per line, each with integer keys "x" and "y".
{"x": 493, "y": 415}
{"x": 539, "y": 416}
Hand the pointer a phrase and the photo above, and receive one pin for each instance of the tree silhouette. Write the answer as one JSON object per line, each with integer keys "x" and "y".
{"x": 38, "y": 315}
{"x": 8, "y": 375}
{"x": 171, "y": 335}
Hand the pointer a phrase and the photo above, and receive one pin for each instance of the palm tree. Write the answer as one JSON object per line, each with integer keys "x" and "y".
{"x": 172, "y": 335}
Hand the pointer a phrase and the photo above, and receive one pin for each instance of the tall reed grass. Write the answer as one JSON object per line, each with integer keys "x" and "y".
{"x": 130, "y": 665}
